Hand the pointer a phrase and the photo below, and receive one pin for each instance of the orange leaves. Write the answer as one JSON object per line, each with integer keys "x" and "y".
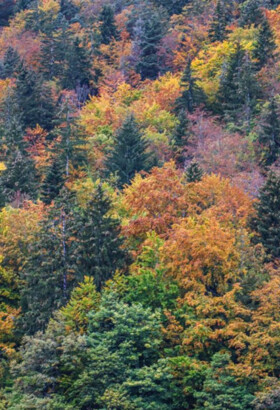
{"x": 7, "y": 323}
{"x": 36, "y": 140}
{"x": 154, "y": 203}
{"x": 201, "y": 252}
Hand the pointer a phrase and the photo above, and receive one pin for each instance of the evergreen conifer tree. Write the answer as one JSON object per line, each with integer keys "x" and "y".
{"x": 194, "y": 173}
{"x": 217, "y": 31}
{"x": 34, "y": 100}
{"x": 239, "y": 89}
{"x": 180, "y": 136}
{"x": 269, "y": 134}
{"x": 265, "y": 44}
{"x": 192, "y": 95}
{"x": 250, "y": 13}
{"x": 98, "y": 250}
{"x": 53, "y": 182}
{"x": 267, "y": 221}
{"x": 19, "y": 177}
{"x": 151, "y": 33}
{"x": 108, "y": 28}
{"x": 49, "y": 272}
{"x": 128, "y": 156}
{"x": 77, "y": 67}
{"x": 11, "y": 62}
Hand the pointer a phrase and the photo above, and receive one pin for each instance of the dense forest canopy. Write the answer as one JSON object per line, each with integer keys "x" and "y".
{"x": 139, "y": 204}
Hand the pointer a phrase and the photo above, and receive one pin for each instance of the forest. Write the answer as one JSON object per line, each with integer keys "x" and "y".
{"x": 139, "y": 204}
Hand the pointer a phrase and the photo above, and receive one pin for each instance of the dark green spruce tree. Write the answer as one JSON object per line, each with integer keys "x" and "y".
{"x": 250, "y": 13}
{"x": 180, "y": 137}
{"x": 194, "y": 173}
{"x": 267, "y": 220}
{"x": 99, "y": 252}
{"x": 218, "y": 27}
{"x": 108, "y": 28}
{"x": 192, "y": 95}
{"x": 129, "y": 152}
{"x": 265, "y": 44}
{"x": 11, "y": 62}
{"x": 149, "y": 35}
{"x": 269, "y": 134}
{"x": 239, "y": 89}
{"x": 48, "y": 275}
{"x": 20, "y": 177}
{"x": 54, "y": 181}
{"x": 34, "y": 100}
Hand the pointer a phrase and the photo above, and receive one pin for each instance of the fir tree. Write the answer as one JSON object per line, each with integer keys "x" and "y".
{"x": 180, "y": 136}
{"x": 194, "y": 173}
{"x": 250, "y": 13}
{"x": 77, "y": 70}
{"x": 108, "y": 28}
{"x": 19, "y": 177}
{"x": 192, "y": 95}
{"x": 150, "y": 34}
{"x": 267, "y": 221}
{"x": 53, "y": 182}
{"x": 265, "y": 44}
{"x": 217, "y": 31}
{"x": 34, "y": 100}
{"x": 239, "y": 89}
{"x": 128, "y": 156}
{"x": 68, "y": 9}
{"x": 269, "y": 134}
{"x": 69, "y": 147}
{"x": 11, "y": 62}
{"x": 49, "y": 272}
{"x": 98, "y": 251}
{"x": 221, "y": 389}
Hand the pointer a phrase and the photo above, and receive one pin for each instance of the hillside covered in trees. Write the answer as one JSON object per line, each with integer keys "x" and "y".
{"x": 139, "y": 204}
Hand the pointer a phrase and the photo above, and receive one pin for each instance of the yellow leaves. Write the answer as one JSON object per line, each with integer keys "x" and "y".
{"x": 209, "y": 62}
{"x": 201, "y": 250}
{"x": 51, "y": 6}
{"x": 7, "y": 324}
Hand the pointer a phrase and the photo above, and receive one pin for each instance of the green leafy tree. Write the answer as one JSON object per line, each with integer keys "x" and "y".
{"x": 99, "y": 245}
{"x": 221, "y": 390}
{"x": 267, "y": 221}
{"x": 129, "y": 152}
{"x": 269, "y": 133}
